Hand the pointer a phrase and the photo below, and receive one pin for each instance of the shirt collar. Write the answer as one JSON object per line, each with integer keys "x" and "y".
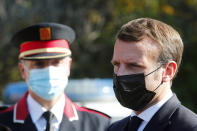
{"x": 36, "y": 110}
{"x": 149, "y": 113}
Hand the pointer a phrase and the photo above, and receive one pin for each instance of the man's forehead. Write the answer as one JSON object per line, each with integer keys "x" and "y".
{"x": 136, "y": 51}
{"x": 146, "y": 41}
{"x": 125, "y": 49}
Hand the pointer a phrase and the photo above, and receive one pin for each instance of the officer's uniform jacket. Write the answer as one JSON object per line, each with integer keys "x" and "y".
{"x": 172, "y": 116}
{"x": 75, "y": 118}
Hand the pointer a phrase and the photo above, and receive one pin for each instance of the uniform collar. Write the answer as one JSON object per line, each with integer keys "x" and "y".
{"x": 21, "y": 110}
{"x": 70, "y": 110}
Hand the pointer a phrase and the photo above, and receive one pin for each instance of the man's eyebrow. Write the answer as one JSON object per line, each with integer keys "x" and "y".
{"x": 136, "y": 64}
{"x": 133, "y": 63}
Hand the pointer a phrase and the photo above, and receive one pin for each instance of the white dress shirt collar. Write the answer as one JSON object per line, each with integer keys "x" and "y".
{"x": 149, "y": 113}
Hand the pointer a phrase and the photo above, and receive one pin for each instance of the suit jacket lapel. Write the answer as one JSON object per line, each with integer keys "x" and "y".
{"x": 120, "y": 125}
{"x": 161, "y": 119}
{"x": 125, "y": 123}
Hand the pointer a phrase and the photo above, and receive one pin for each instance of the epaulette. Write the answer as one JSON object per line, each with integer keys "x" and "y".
{"x": 6, "y": 108}
{"x": 94, "y": 111}
{"x": 3, "y": 108}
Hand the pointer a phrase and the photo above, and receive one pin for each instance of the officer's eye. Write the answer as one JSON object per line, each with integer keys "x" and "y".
{"x": 55, "y": 62}
{"x": 39, "y": 64}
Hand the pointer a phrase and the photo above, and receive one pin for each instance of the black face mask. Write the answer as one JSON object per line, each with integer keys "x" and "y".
{"x": 131, "y": 92}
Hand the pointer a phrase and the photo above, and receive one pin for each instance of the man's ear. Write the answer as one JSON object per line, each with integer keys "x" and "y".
{"x": 69, "y": 65}
{"x": 70, "y": 62}
{"x": 170, "y": 71}
{"x": 22, "y": 70}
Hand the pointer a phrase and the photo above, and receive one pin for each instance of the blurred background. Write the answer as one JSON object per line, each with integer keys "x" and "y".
{"x": 96, "y": 23}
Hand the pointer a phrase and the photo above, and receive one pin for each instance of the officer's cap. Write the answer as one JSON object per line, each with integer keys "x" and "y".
{"x": 44, "y": 41}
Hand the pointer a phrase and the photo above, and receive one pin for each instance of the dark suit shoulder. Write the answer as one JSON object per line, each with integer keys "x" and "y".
{"x": 184, "y": 119}
{"x": 119, "y": 125}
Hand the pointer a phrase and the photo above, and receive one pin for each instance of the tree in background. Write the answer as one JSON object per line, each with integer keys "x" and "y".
{"x": 96, "y": 23}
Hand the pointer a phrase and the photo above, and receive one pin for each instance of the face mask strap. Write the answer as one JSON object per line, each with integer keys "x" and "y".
{"x": 158, "y": 86}
{"x": 154, "y": 70}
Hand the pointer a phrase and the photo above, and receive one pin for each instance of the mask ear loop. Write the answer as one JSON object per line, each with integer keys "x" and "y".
{"x": 161, "y": 81}
{"x": 158, "y": 86}
{"x": 154, "y": 71}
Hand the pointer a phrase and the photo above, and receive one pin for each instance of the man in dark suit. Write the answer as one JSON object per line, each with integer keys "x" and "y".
{"x": 147, "y": 55}
{"x": 45, "y": 66}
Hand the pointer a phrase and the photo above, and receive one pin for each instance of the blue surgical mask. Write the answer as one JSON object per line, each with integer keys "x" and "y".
{"x": 48, "y": 82}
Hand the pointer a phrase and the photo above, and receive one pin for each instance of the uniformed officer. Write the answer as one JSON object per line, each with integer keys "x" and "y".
{"x": 45, "y": 66}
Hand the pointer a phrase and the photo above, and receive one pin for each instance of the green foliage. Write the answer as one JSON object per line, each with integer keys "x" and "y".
{"x": 96, "y": 23}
